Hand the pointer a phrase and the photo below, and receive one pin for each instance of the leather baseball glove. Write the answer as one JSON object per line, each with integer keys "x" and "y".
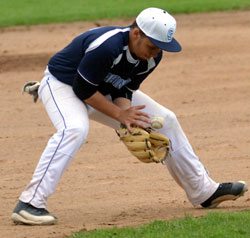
{"x": 146, "y": 145}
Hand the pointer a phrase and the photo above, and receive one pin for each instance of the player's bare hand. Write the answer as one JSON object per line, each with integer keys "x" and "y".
{"x": 134, "y": 116}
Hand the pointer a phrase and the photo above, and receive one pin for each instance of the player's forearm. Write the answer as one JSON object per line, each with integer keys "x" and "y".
{"x": 123, "y": 113}
{"x": 102, "y": 104}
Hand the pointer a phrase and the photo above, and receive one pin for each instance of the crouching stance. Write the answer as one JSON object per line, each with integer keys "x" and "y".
{"x": 98, "y": 76}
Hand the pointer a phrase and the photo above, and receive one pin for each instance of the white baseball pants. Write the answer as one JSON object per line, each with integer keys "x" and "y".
{"x": 71, "y": 117}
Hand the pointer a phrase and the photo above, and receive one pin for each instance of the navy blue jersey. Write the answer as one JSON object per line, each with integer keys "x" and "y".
{"x": 100, "y": 60}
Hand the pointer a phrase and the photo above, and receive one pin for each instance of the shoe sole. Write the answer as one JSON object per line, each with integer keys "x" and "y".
{"x": 19, "y": 219}
{"x": 229, "y": 197}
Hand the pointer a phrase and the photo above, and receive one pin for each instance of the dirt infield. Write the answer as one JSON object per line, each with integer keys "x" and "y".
{"x": 207, "y": 85}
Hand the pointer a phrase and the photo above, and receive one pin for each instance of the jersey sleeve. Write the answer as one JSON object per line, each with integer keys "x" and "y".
{"x": 82, "y": 88}
{"x": 96, "y": 63}
{"x": 92, "y": 70}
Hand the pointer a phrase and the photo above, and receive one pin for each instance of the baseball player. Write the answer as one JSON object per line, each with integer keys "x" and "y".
{"x": 97, "y": 76}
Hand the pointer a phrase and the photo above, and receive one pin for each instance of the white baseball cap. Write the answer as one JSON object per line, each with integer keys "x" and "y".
{"x": 159, "y": 26}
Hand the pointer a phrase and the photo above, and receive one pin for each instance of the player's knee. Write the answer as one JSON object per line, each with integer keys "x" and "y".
{"x": 170, "y": 119}
{"x": 77, "y": 135}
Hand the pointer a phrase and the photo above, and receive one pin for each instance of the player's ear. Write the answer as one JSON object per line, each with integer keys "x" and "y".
{"x": 135, "y": 33}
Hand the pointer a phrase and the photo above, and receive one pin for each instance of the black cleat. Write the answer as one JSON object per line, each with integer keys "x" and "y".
{"x": 225, "y": 192}
{"x": 25, "y": 213}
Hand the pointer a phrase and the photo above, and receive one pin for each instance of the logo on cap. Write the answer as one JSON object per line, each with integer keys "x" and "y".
{"x": 170, "y": 34}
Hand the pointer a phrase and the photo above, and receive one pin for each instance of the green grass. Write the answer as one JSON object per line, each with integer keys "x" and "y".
{"x": 31, "y": 12}
{"x": 213, "y": 225}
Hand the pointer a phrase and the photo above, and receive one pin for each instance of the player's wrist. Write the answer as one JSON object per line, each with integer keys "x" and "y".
{"x": 118, "y": 115}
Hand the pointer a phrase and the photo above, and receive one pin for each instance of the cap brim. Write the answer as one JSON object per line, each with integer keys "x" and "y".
{"x": 172, "y": 46}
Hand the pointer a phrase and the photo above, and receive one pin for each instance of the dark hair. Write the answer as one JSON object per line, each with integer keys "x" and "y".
{"x": 134, "y": 25}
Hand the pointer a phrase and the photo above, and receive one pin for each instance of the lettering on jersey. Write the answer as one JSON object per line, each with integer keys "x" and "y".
{"x": 116, "y": 80}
